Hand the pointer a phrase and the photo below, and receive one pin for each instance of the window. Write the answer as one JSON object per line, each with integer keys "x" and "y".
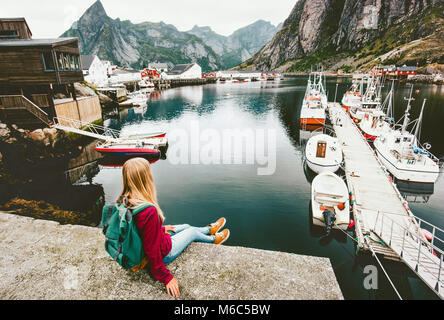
{"x": 66, "y": 61}
{"x": 48, "y": 62}
{"x": 321, "y": 149}
{"x": 8, "y": 34}
{"x": 60, "y": 61}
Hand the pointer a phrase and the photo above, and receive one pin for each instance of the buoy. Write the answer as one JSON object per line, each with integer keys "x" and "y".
{"x": 427, "y": 234}
{"x": 341, "y": 206}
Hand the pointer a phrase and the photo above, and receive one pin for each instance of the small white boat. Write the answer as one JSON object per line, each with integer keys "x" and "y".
{"x": 329, "y": 202}
{"x": 403, "y": 155}
{"x": 323, "y": 154}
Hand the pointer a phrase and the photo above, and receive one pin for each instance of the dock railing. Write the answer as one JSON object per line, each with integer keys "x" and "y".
{"x": 86, "y": 128}
{"x": 21, "y": 102}
{"x": 423, "y": 256}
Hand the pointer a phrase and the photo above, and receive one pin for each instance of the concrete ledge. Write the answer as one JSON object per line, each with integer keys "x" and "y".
{"x": 44, "y": 260}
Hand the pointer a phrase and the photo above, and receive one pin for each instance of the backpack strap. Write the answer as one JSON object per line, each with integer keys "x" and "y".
{"x": 108, "y": 217}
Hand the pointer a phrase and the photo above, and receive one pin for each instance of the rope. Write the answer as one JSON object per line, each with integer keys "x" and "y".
{"x": 386, "y": 274}
{"x": 374, "y": 255}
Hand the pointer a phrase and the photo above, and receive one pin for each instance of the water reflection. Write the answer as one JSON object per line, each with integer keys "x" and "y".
{"x": 415, "y": 192}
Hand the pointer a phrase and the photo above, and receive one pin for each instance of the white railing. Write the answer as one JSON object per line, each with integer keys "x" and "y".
{"x": 87, "y": 127}
{"x": 21, "y": 102}
{"x": 424, "y": 257}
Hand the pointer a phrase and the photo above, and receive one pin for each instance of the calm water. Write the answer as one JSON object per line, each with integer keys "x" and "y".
{"x": 266, "y": 212}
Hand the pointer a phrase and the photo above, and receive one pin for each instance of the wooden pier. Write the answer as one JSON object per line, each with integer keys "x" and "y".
{"x": 385, "y": 225}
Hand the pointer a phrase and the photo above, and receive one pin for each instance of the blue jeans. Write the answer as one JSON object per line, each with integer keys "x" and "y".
{"x": 184, "y": 236}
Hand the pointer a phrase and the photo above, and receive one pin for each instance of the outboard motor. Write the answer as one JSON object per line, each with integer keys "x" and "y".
{"x": 330, "y": 219}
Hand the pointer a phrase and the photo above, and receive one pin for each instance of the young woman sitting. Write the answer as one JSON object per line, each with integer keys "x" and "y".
{"x": 162, "y": 244}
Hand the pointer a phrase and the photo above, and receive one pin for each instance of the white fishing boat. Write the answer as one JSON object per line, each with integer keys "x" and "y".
{"x": 323, "y": 154}
{"x": 376, "y": 121}
{"x": 402, "y": 154}
{"x": 135, "y": 99}
{"x": 315, "y": 103}
{"x": 329, "y": 202}
{"x": 371, "y": 100}
{"x": 353, "y": 97}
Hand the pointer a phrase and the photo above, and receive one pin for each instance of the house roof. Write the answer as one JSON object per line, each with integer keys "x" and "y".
{"x": 16, "y": 20}
{"x": 407, "y": 68}
{"x": 87, "y": 61}
{"x": 180, "y": 68}
{"x": 35, "y": 42}
{"x": 159, "y": 65}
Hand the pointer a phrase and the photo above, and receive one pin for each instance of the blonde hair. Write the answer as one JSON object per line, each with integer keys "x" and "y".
{"x": 138, "y": 184}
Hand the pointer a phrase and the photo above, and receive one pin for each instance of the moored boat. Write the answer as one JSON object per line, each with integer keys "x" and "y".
{"x": 314, "y": 104}
{"x": 128, "y": 149}
{"x": 323, "y": 153}
{"x": 402, "y": 154}
{"x": 329, "y": 202}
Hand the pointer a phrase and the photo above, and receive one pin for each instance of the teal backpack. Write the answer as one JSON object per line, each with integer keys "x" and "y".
{"x": 123, "y": 242}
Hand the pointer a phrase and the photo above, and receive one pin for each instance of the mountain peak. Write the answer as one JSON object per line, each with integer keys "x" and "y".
{"x": 96, "y": 9}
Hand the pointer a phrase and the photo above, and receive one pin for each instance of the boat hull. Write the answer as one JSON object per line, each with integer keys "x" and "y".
{"x": 128, "y": 152}
{"x": 406, "y": 174}
{"x": 332, "y": 194}
{"x": 312, "y": 122}
{"x": 317, "y": 168}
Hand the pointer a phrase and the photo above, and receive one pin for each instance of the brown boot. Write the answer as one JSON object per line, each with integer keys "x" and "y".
{"x": 221, "y": 237}
{"x": 218, "y": 225}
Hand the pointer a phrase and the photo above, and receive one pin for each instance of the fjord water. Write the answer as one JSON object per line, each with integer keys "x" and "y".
{"x": 266, "y": 212}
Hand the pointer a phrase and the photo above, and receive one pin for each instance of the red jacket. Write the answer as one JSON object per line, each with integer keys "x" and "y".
{"x": 156, "y": 243}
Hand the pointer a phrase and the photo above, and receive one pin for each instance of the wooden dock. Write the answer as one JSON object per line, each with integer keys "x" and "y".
{"x": 384, "y": 223}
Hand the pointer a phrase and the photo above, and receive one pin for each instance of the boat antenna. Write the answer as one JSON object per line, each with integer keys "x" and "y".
{"x": 407, "y": 111}
{"x": 418, "y": 124}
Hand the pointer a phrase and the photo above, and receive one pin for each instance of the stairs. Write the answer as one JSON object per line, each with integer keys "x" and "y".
{"x": 17, "y": 109}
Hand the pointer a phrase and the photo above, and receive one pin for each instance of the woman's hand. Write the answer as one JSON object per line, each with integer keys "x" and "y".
{"x": 173, "y": 288}
{"x": 169, "y": 228}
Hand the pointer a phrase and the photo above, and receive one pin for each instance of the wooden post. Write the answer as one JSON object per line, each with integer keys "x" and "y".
{"x": 74, "y": 96}
{"x": 51, "y": 101}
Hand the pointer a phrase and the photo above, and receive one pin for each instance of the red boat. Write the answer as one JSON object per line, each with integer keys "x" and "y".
{"x": 128, "y": 150}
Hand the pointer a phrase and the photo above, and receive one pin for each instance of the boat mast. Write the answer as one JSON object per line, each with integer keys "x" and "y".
{"x": 407, "y": 112}
{"x": 418, "y": 124}
{"x": 390, "y": 113}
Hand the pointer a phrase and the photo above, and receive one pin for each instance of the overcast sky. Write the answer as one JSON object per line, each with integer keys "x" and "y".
{"x": 50, "y": 18}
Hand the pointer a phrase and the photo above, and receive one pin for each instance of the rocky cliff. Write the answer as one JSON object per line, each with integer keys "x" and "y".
{"x": 136, "y": 45}
{"x": 239, "y": 46}
{"x": 356, "y": 32}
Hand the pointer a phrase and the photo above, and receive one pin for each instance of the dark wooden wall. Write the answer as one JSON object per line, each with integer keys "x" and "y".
{"x": 20, "y": 26}
{"x": 24, "y": 65}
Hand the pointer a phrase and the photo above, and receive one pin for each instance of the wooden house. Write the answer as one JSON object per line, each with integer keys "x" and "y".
{"x": 14, "y": 28}
{"x": 33, "y": 72}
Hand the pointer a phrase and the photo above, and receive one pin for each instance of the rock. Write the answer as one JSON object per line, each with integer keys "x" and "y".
{"x": 104, "y": 99}
{"x": 4, "y": 133}
{"x": 70, "y": 262}
{"x": 37, "y": 135}
{"x": 338, "y": 25}
{"x": 84, "y": 91}
{"x": 51, "y": 135}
